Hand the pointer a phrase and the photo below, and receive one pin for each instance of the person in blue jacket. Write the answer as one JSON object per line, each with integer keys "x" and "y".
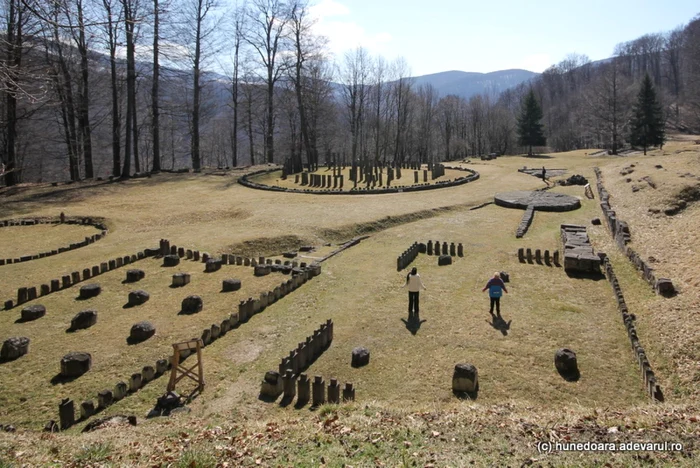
{"x": 496, "y": 286}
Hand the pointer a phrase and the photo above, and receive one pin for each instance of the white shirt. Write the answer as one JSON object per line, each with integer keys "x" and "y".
{"x": 414, "y": 283}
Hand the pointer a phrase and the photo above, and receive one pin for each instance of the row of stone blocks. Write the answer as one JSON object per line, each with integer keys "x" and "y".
{"x": 305, "y": 390}
{"x": 407, "y": 256}
{"x": 106, "y": 397}
{"x": 172, "y": 255}
{"x": 250, "y": 306}
{"x": 578, "y": 251}
{"x": 525, "y": 222}
{"x": 621, "y": 234}
{"x": 650, "y": 384}
{"x": 299, "y": 359}
{"x": 30, "y": 293}
{"x": 434, "y": 249}
{"x": 48, "y": 253}
{"x": 525, "y": 255}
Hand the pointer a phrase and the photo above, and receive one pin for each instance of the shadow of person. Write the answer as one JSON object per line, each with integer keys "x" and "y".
{"x": 498, "y": 323}
{"x": 413, "y": 323}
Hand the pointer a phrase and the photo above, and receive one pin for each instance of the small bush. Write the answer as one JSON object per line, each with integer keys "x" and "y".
{"x": 93, "y": 453}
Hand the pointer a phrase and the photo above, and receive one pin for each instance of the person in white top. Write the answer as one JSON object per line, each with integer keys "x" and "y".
{"x": 415, "y": 284}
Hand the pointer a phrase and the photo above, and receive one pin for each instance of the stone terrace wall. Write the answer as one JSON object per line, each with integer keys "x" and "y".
{"x": 621, "y": 234}
{"x": 650, "y": 385}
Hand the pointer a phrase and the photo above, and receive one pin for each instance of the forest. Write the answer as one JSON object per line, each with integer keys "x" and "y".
{"x": 98, "y": 88}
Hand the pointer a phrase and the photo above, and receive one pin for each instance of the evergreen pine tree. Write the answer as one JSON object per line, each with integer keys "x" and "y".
{"x": 647, "y": 125}
{"x": 530, "y": 131}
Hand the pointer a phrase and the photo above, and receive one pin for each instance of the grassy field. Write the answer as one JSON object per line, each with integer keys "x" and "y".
{"x": 360, "y": 290}
{"x": 17, "y": 241}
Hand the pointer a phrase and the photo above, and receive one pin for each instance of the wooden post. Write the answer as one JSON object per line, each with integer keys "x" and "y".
{"x": 179, "y": 371}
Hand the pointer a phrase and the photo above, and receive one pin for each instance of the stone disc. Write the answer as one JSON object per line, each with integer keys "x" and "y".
{"x": 541, "y": 201}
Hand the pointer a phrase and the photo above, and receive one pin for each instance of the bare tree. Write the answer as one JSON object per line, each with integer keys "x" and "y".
{"x": 608, "y": 102}
{"x": 238, "y": 28}
{"x": 155, "y": 105}
{"x": 267, "y": 24}
{"x": 17, "y": 17}
{"x": 355, "y": 81}
{"x": 112, "y": 19}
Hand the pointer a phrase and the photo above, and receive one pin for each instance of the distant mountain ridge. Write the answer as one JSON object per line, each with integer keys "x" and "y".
{"x": 468, "y": 84}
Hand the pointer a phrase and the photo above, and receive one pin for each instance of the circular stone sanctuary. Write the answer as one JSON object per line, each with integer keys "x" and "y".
{"x": 373, "y": 179}
{"x": 540, "y": 201}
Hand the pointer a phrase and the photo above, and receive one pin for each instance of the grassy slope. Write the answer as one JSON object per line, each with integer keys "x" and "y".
{"x": 360, "y": 290}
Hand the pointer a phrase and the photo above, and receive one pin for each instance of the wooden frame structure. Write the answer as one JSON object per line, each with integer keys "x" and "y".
{"x": 179, "y": 371}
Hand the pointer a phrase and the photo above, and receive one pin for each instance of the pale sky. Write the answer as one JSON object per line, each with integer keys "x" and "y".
{"x": 490, "y": 35}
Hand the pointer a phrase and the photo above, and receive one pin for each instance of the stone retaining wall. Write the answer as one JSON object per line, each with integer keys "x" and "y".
{"x": 94, "y": 222}
{"x": 622, "y": 236}
{"x": 650, "y": 385}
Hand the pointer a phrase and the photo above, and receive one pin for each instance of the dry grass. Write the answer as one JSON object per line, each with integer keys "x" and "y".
{"x": 671, "y": 325}
{"x": 29, "y": 397}
{"x": 16, "y": 241}
{"x": 360, "y": 290}
{"x": 373, "y": 434}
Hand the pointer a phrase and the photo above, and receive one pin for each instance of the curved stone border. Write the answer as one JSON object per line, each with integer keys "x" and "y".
{"x": 243, "y": 180}
{"x": 652, "y": 388}
{"x": 29, "y": 293}
{"x": 621, "y": 234}
{"x": 97, "y": 223}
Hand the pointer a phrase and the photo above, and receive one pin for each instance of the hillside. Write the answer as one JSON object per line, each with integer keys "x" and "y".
{"x": 404, "y": 413}
{"x": 468, "y": 84}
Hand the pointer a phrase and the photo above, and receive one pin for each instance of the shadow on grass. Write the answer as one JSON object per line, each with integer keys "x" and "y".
{"x": 467, "y": 395}
{"x": 25, "y": 320}
{"x": 413, "y": 323}
{"x": 595, "y": 276}
{"x": 59, "y": 379}
{"x": 539, "y": 156}
{"x": 498, "y": 323}
{"x": 300, "y": 404}
{"x": 286, "y": 401}
{"x": 267, "y": 398}
{"x": 571, "y": 376}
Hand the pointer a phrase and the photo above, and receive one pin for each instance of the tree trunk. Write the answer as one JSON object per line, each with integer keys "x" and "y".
{"x": 196, "y": 160}
{"x": 269, "y": 134}
{"x": 13, "y": 58}
{"x": 129, "y": 21}
{"x": 155, "y": 124}
{"x": 84, "y": 96}
{"x": 116, "y": 123}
